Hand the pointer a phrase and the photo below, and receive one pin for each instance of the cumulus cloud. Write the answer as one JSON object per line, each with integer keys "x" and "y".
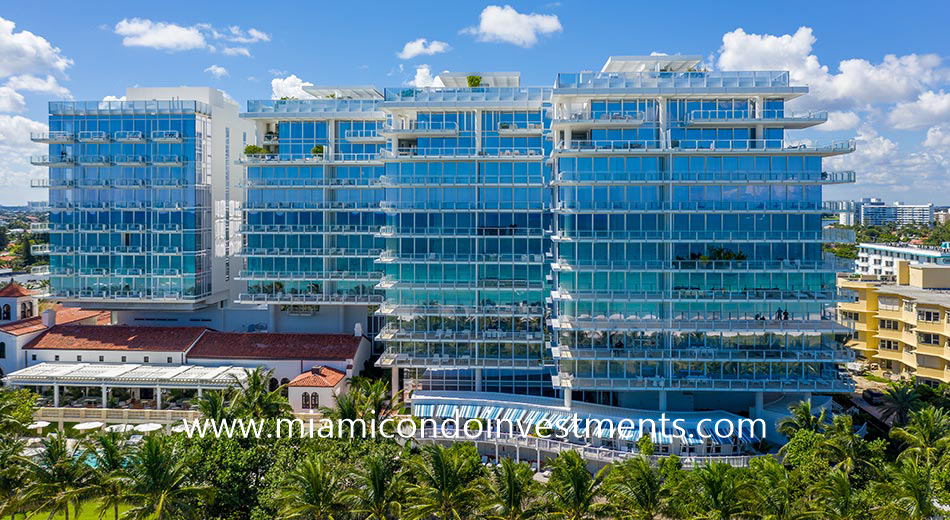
{"x": 858, "y": 82}
{"x": 114, "y": 98}
{"x": 142, "y": 32}
{"x": 422, "y": 47}
{"x": 217, "y": 71}
{"x": 172, "y": 37}
{"x": 32, "y": 83}
{"x": 506, "y": 25}
{"x": 290, "y": 87}
{"x": 930, "y": 108}
{"x": 839, "y": 121}
{"x": 11, "y": 100}
{"x": 423, "y": 77}
{"x": 881, "y": 164}
{"x": 24, "y": 52}
{"x": 938, "y": 138}
{"x": 15, "y": 151}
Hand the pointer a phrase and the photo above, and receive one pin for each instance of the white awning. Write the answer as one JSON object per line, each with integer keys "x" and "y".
{"x": 127, "y": 375}
{"x": 344, "y": 92}
{"x": 672, "y": 63}
{"x": 488, "y": 79}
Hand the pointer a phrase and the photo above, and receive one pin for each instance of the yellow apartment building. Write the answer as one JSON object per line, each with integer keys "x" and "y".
{"x": 902, "y": 321}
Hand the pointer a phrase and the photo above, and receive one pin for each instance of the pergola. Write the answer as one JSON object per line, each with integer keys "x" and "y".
{"x": 126, "y": 375}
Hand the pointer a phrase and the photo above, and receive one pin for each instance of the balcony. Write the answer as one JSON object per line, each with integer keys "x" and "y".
{"x": 739, "y": 118}
{"x": 95, "y": 160}
{"x": 586, "y": 121}
{"x": 40, "y": 249}
{"x": 270, "y": 138}
{"x": 52, "y": 184}
{"x": 52, "y": 137}
{"x": 419, "y": 129}
{"x": 61, "y": 160}
{"x": 166, "y": 136}
{"x": 704, "y": 146}
{"x": 310, "y": 299}
{"x": 39, "y": 227}
{"x": 282, "y": 159}
{"x": 701, "y": 383}
{"x": 520, "y": 129}
{"x": 168, "y": 160}
{"x": 365, "y": 136}
{"x": 131, "y": 160}
{"x": 40, "y": 270}
{"x": 129, "y": 136}
{"x": 93, "y": 136}
{"x": 833, "y": 235}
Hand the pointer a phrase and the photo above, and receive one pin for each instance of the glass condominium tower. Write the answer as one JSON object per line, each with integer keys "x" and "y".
{"x": 137, "y": 192}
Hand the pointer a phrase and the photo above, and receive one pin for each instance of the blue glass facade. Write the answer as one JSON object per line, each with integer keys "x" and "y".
{"x": 129, "y": 200}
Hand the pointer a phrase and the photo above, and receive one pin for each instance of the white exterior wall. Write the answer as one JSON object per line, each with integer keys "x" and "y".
{"x": 325, "y": 396}
{"x": 155, "y": 357}
{"x": 330, "y": 319}
{"x": 882, "y": 260}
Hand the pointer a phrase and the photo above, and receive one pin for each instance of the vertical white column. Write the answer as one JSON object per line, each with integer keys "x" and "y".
{"x": 478, "y": 380}
{"x": 199, "y": 391}
{"x": 158, "y": 398}
{"x": 664, "y": 125}
{"x": 478, "y": 132}
{"x": 331, "y": 139}
{"x": 56, "y": 395}
{"x": 759, "y": 114}
{"x": 394, "y": 374}
{"x": 567, "y": 397}
{"x": 105, "y": 396}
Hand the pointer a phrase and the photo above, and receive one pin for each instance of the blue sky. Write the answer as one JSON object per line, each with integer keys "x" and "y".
{"x": 883, "y": 70}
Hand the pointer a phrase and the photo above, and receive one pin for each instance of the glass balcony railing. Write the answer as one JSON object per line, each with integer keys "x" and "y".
{"x": 93, "y": 136}
{"x": 130, "y": 136}
{"x": 624, "y": 119}
{"x": 420, "y": 128}
{"x": 312, "y": 106}
{"x": 53, "y": 137}
{"x": 52, "y": 160}
{"x": 733, "y": 117}
{"x": 569, "y": 178}
{"x": 478, "y": 94}
{"x": 681, "y": 80}
{"x": 166, "y": 136}
{"x": 715, "y": 145}
{"x": 151, "y": 107}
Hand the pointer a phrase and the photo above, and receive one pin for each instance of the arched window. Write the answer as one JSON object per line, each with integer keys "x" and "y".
{"x": 273, "y": 384}
{"x": 6, "y": 312}
{"x": 314, "y": 401}
{"x": 23, "y": 313}
{"x": 29, "y": 309}
{"x": 3, "y": 350}
{"x": 284, "y": 382}
{"x": 305, "y": 401}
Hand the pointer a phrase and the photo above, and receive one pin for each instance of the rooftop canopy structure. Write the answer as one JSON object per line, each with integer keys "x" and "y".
{"x": 673, "y": 63}
{"x": 488, "y": 79}
{"x": 126, "y": 375}
{"x": 344, "y": 92}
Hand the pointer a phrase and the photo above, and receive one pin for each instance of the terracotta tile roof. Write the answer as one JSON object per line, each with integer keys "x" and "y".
{"x": 64, "y": 316}
{"x": 263, "y": 345}
{"x": 14, "y": 290}
{"x": 319, "y": 377}
{"x": 117, "y": 337}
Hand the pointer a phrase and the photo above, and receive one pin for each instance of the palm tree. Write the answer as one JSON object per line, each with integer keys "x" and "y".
{"x": 802, "y": 418}
{"x": 311, "y": 491}
{"x": 925, "y": 436}
{"x": 910, "y": 493}
{"x": 723, "y": 489}
{"x": 845, "y": 448}
{"x": 217, "y": 405}
{"x": 899, "y": 401}
{"x": 836, "y": 499}
{"x": 377, "y": 490}
{"x": 13, "y": 469}
{"x": 510, "y": 489}
{"x": 770, "y": 497}
{"x": 59, "y": 477}
{"x": 572, "y": 491}
{"x": 159, "y": 486}
{"x": 110, "y": 453}
{"x": 445, "y": 480}
{"x": 257, "y": 400}
{"x": 636, "y": 490}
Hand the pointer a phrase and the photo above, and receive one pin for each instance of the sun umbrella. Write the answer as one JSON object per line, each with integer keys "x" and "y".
{"x": 148, "y": 427}
{"x": 37, "y": 425}
{"x": 121, "y": 428}
{"x": 92, "y": 425}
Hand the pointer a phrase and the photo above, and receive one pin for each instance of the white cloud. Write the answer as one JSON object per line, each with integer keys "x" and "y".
{"x": 217, "y": 71}
{"x": 15, "y": 168}
{"x": 113, "y": 98}
{"x": 34, "y": 84}
{"x": 505, "y": 24}
{"x": 172, "y": 37}
{"x": 938, "y": 138}
{"x": 858, "y": 82}
{"x": 839, "y": 121}
{"x": 238, "y": 35}
{"x": 421, "y": 47}
{"x": 928, "y": 109}
{"x": 880, "y": 164}
{"x": 423, "y": 77}
{"x": 11, "y": 100}
{"x": 291, "y": 87}
{"x": 25, "y": 53}
{"x": 236, "y": 51}
{"x": 142, "y": 32}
